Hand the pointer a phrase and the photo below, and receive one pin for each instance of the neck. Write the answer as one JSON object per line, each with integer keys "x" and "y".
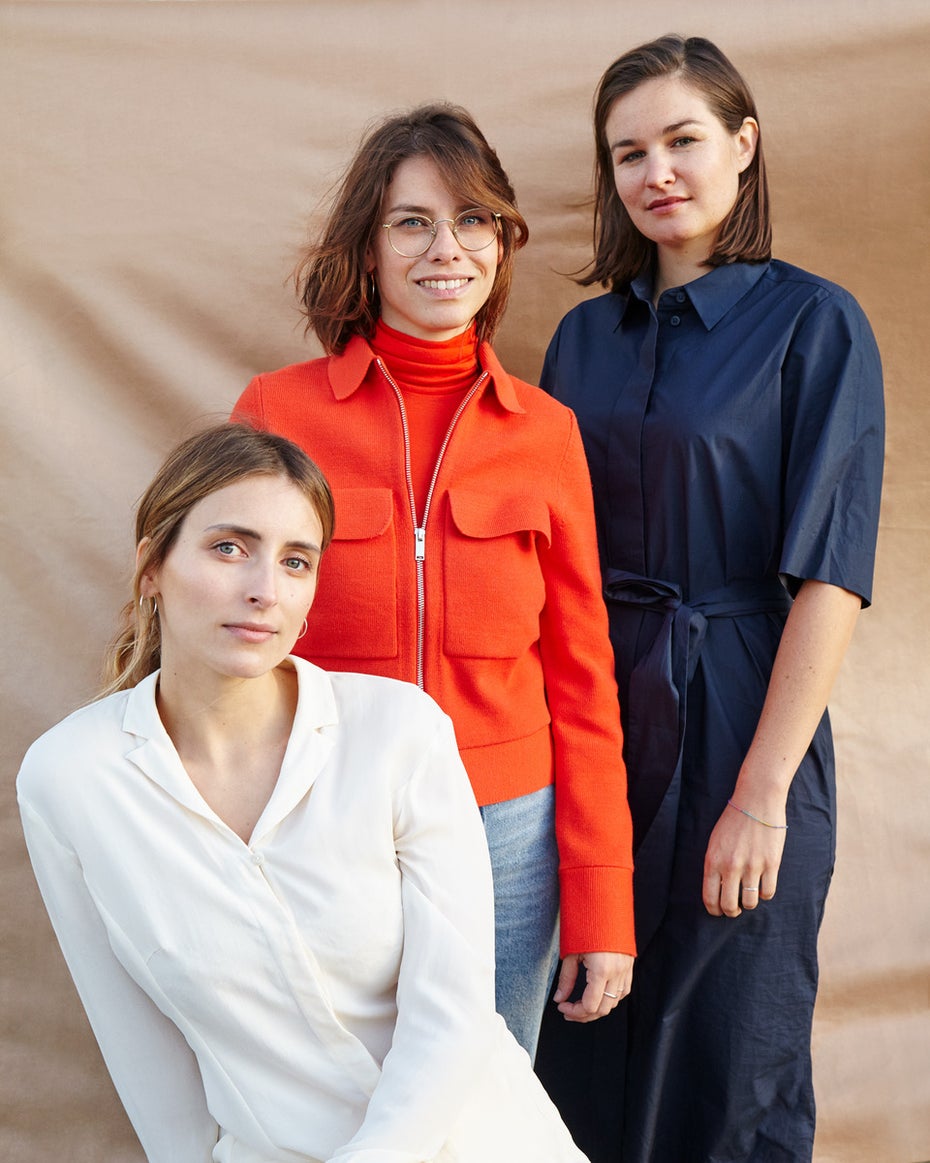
{"x": 677, "y": 267}
{"x": 206, "y": 718}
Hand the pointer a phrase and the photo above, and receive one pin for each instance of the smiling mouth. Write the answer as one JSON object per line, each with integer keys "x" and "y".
{"x": 443, "y": 284}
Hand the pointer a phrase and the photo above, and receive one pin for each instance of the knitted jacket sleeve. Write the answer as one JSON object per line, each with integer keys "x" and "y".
{"x": 592, "y": 816}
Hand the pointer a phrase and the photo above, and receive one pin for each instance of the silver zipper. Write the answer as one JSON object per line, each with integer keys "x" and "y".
{"x": 419, "y": 528}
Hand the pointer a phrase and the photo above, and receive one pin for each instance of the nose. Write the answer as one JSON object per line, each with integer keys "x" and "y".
{"x": 445, "y": 245}
{"x": 659, "y": 171}
{"x": 263, "y": 589}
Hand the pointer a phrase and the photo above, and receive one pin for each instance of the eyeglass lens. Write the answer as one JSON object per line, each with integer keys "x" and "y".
{"x": 412, "y": 234}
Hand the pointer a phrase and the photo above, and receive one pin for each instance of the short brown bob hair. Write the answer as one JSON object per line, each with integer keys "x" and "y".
{"x": 620, "y": 250}
{"x": 199, "y": 466}
{"x": 337, "y": 295}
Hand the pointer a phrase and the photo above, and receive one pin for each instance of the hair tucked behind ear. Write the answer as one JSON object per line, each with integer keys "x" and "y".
{"x": 199, "y": 466}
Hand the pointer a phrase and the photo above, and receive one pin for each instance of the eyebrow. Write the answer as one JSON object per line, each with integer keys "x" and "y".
{"x": 406, "y": 208}
{"x": 253, "y": 535}
{"x": 673, "y": 128}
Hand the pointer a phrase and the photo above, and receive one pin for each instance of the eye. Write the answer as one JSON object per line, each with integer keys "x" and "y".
{"x": 633, "y": 156}
{"x": 411, "y": 223}
{"x": 298, "y": 564}
{"x": 475, "y": 218}
{"x": 684, "y": 140}
{"x": 228, "y": 549}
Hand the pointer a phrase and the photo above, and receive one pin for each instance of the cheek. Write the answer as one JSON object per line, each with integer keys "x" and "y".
{"x": 623, "y": 184}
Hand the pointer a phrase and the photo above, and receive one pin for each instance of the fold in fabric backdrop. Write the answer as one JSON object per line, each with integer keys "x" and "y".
{"x": 160, "y": 165}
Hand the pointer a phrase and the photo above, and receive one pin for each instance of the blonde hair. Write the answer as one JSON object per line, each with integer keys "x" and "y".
{"x": 199, "y": 466}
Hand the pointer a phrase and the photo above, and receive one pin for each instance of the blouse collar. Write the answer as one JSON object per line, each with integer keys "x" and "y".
{"x": 712, "y": 295}
{"x": 308, "y": 747}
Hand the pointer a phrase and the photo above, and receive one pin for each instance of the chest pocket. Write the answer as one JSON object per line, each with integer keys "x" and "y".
{"x": 492, "y": 578}
{"x": 354, "y": 614}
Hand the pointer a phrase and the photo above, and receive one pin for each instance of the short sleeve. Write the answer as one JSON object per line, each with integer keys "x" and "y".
{"x": 833, "y": 423}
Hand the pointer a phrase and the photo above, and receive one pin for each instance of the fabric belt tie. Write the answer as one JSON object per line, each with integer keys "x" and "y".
{"x": 656, "y": 714}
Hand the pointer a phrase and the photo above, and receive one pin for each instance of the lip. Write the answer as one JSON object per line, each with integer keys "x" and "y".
{"x": 444, "y": 286}
{"x": 250, "y": 631}
{"x": 664, "y": 205}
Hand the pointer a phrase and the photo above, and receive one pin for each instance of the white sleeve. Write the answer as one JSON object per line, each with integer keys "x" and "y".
{"x": 151, "y": 1065}
{"x": 446, "y": 1022}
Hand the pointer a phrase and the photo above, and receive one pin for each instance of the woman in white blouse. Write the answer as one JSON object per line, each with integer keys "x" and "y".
{"x": 271, "y": 883}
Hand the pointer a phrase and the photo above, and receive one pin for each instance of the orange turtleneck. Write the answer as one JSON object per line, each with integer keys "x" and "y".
{"x": 434, "y": 378}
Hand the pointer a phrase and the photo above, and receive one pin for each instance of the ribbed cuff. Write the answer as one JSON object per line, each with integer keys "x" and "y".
{"x": 596, "y": 911}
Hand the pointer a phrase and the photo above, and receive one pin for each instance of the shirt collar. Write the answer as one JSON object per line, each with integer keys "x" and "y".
{"x": 308, "y": 747}
{"x": 712, "y": 295}
{"x": 348, "y": 371}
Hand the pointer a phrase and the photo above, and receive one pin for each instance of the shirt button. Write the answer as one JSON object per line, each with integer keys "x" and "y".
{"x": 257, "y": 859}
{"x": 675, "y": 320}
{"x": 680, "y": 297}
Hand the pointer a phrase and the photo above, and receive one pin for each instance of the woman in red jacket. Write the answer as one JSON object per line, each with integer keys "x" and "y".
{"x": 464, "y": 556}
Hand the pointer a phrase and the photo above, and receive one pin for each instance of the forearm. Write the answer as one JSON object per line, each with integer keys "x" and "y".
{"x": 813, "y": 644}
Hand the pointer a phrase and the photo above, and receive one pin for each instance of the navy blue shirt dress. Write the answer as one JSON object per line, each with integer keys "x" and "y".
{"x": 735, "y": 440}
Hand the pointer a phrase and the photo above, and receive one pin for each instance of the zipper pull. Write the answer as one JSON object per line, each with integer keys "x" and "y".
{"x": 419, "y": 544}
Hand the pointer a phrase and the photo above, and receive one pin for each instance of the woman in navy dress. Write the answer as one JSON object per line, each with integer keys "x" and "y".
{"x": 731, "y": 408}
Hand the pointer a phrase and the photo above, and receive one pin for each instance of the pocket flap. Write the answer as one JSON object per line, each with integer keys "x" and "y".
{"x": 362, "y": 513}
{"x": 485, "y": 515}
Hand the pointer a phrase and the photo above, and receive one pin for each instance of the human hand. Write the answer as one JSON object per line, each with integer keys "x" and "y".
{"x": 742, "y": 860}
{"x": 609, "y": 978}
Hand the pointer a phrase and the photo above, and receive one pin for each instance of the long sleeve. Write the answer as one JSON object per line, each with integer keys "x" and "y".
{"x": 592, "y": 814}
{"x": 446, "y": 1025}
{"x": 152, "y": 1067}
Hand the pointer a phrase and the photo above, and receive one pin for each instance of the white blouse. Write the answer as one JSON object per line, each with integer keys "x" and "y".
{"x": 324, "y": 992}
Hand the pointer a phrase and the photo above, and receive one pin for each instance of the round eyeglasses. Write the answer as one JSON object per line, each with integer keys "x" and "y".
{"x": 411, "y": 235}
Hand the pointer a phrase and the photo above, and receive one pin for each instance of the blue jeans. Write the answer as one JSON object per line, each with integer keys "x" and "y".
{"x": 525, "y": 867}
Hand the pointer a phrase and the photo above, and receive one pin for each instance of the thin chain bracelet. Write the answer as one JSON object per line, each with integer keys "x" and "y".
{"x": 764, "y": 823}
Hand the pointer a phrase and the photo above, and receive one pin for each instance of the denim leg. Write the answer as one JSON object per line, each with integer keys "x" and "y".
{"x": 525, "y": 867}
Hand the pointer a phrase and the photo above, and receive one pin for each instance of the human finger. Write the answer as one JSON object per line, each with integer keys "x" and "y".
{"x": 710, "y": 892}
{"x": 768, "y": 883}
{"x": 568, "y": 975}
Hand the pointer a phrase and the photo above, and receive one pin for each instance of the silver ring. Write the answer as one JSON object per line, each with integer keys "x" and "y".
{"x": 613, "y": 995}
{"x": 750, "y": 888}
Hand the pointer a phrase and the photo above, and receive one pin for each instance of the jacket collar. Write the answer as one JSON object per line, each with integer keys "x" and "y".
{"x": 349, "y": 370}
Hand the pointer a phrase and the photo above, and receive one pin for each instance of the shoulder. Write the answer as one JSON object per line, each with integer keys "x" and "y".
{"x": 79, "y": 741}
{"x": 308, "y": 372}
{"x": 370, "y": 703}
{"x": 374, "y": 698}
{"x": 810, "y": 290}
{"x": 539, "y": 413}
{"x": 597, "y": 314}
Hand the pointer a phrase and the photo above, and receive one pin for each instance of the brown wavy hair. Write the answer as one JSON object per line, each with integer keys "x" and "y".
{"x": 337, "y": 295}
{"x": 621, "y": 252}
{"x": 199, "y": 466}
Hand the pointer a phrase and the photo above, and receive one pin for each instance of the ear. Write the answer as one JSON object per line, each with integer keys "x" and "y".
{"x": 747, "y": 138}
{"x": 148, "y": 582}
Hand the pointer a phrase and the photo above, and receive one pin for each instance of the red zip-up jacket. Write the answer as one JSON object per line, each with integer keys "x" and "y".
{"x": 492, "y": 601}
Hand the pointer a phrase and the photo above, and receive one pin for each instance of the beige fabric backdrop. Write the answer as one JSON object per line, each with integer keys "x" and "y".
{"x": 159, "y": 162}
